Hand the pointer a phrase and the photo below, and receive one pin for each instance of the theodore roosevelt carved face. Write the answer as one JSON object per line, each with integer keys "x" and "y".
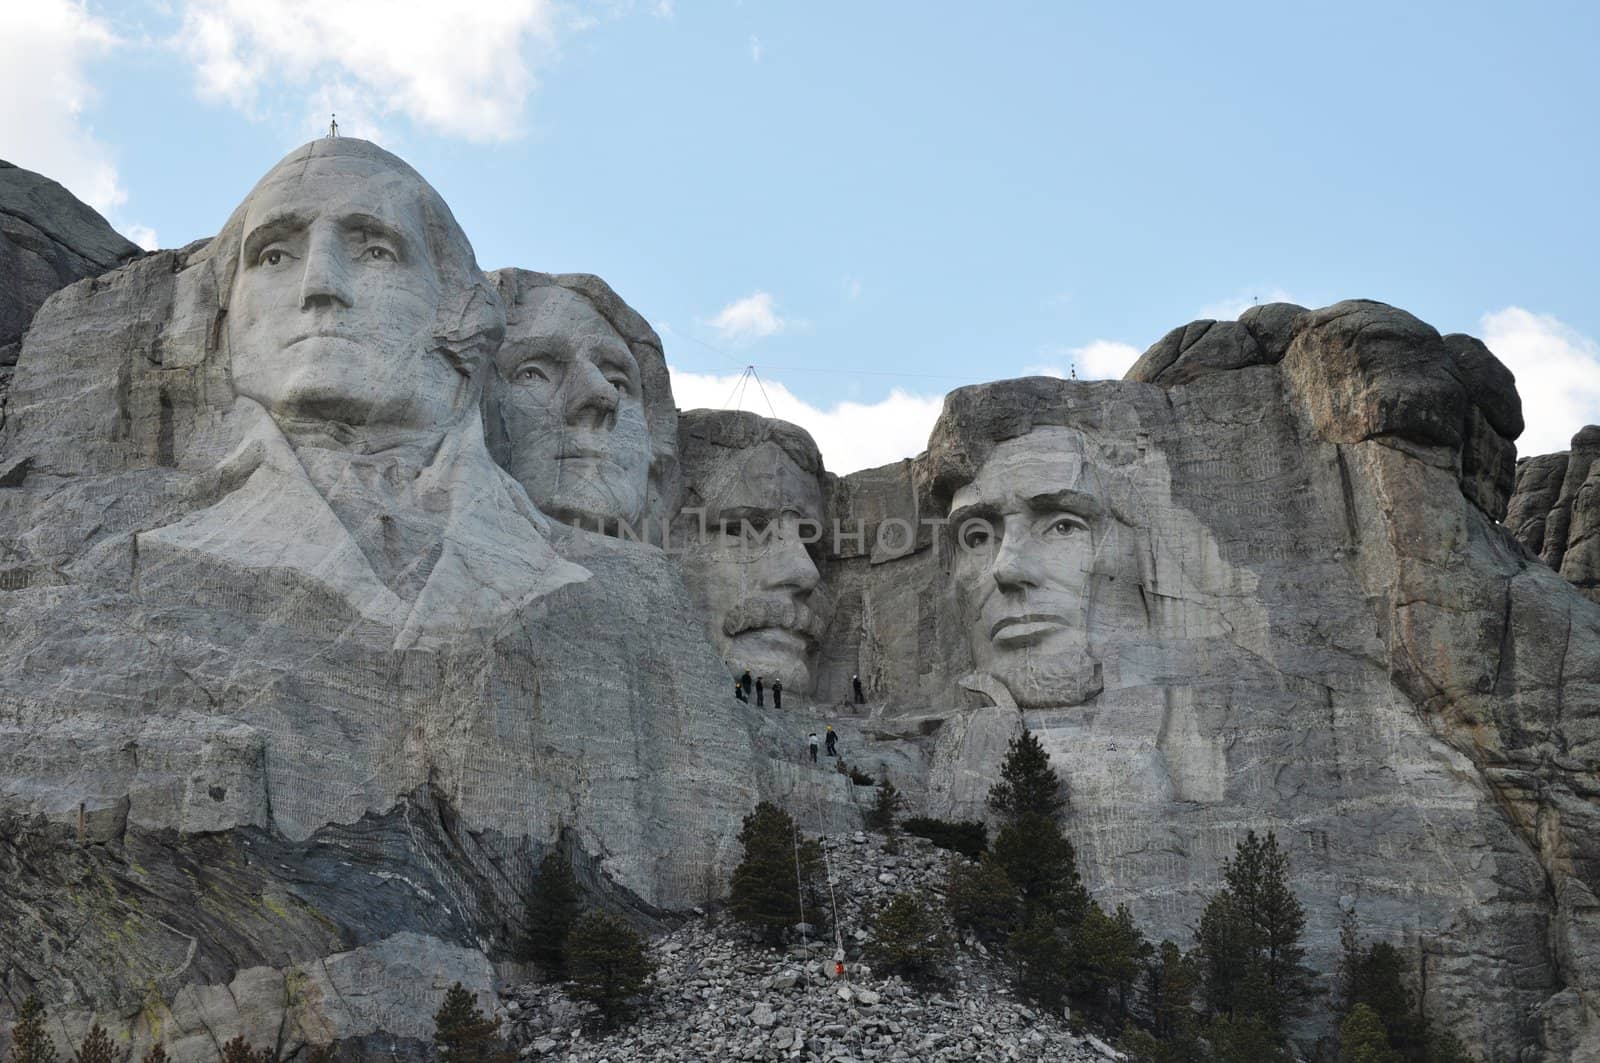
{"x": 755, "y": 486}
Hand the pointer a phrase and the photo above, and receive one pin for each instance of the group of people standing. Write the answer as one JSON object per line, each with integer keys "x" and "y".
{"x": 742, "y": 688}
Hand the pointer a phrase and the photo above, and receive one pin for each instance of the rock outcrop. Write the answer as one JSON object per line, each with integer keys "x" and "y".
{"x": 1555, "y": 510}
{"x": 297, "y": 685}
{"x": 48, "y": 239}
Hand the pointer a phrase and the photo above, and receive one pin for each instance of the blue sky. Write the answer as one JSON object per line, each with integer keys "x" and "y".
{"x": 874, "y": 203}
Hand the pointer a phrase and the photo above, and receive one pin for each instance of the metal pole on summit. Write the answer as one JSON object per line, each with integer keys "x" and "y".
{"x": 333, "y": 125}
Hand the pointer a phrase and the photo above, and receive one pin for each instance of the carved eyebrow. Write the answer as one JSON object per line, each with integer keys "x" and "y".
{"x": 1084, "y": 505}
{"x": 274, "y": 226}
{"x": 371, "y": 223}
{"x": 985, "y": 510}
{"x": 610, "y": 356}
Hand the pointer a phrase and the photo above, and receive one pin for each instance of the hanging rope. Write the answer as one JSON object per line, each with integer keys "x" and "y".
{"x": 800, "y": 890}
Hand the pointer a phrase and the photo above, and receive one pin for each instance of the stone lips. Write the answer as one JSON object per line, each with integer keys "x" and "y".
{"x": 1307, "y": 620}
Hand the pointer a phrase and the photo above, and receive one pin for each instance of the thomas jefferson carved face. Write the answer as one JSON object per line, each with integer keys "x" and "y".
{"x": 335, "y": 299}
{"x": 572, "y": 404}
{"x": 1027, "y": 528}
{"x": 752, "y": 569}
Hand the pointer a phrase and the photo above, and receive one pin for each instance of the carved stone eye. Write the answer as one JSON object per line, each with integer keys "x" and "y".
{"x": 272, "y": 258}
{"x": 380, "y": 254}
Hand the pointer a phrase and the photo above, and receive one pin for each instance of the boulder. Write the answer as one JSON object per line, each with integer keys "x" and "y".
{"x": 48, "y": 239}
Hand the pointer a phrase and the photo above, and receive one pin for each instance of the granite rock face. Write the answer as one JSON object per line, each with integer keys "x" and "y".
{"x": 1269, "y": 595}
{"x": 48, "y": 239}
{"x": 299, "y": 679}
{"x": 1555, "y": 510}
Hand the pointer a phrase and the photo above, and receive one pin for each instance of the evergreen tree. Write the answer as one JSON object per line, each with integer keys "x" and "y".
{"x": 908, "y": 939}
{"x": 462, "y": 1031}
{"x": 553, "y": 906}
{"x": 1244, "y": 1039}
{"x": 156, "y": 1054}
{"x": 1362, "y": 1039}
{"x": 1028, "y": 785}
{"x": 29, "y": 1041}
{"x": 1374, "y": 975}
{"x": 1173, "y": 1036}
{"x": 1444, "y": 1048}
{"x": 1042, "y": 864}
{"x": 239, "y": 1050}
{"x": 1038, "y": 954}
{"x": 1107, "y": 956}
{"x": 980, "y": 898}
{"x": 1249, "y": 938}
{"x": 886, "y": 808}
{"x": 765, "y": 894}
{"x": 608, "y": 963}
{"x": 97, "y": 1047}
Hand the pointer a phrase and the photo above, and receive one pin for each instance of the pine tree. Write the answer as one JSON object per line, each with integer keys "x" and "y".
{"x": 1244, "y": 1039}
{"x": 97, "y": 1047}
{"x": 908, "y": 939}
{"x": 608, "y": 963}
{"x": 980, "y": 898}
{"x": 886, "y": 808}
{"x": 1107, "y": 955}
{"x": 1362, "y": 1039}
{"x": 30, "y": 1043}
{"x": 239, "y": 1050}
{"x": 1042, "y": 864}
{"x": 1172, "y": 983}
{"x": 1376, "y": 980}
{"x": 156, "y": 1054}
{"x": 1038, "y": 954}
{"x": 767, "y": 888}
{"x": 1028, "y": 785}
{"x": 1249, "y": 938}
{"x": 1444, "y": 1048}
{"x": 553, "y": 906}
{"x": 462, "y": 1031}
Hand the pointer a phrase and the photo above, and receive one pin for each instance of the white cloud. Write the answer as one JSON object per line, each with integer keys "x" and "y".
{"x": 752, "y": 317}
{"x": 142, "y": 235}
{"x": 458, "y": 70}
{"x": 663, "y": 9}
{"x": 851, "y": 435}
{"x": 1230, "y": 308}
{"x": 46, "y": 47}
{"x": 1557, "y": 371}
{"x": 755, "y": 48}
{"x": 1097, "y": 360}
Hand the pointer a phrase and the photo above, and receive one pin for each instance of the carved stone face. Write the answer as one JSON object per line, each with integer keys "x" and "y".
{"x": 752, "y": 570}
{"x": 573, "y": 410}
{"x": 1026, "y": 532}
{"x": 336, "y": 296}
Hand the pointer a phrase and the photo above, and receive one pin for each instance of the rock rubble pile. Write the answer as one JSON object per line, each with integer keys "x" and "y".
{"x": 722, "y": 996}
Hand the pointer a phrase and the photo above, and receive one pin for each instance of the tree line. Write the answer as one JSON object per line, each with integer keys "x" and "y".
{"x": 1231, "y": 998}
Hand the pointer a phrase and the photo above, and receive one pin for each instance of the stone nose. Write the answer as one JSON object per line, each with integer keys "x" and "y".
{"x": 789, "y": 564}
{"x": 326, "y": 280}
{"x": 1014, "y": 566}
{"x": 591, "y": 398}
